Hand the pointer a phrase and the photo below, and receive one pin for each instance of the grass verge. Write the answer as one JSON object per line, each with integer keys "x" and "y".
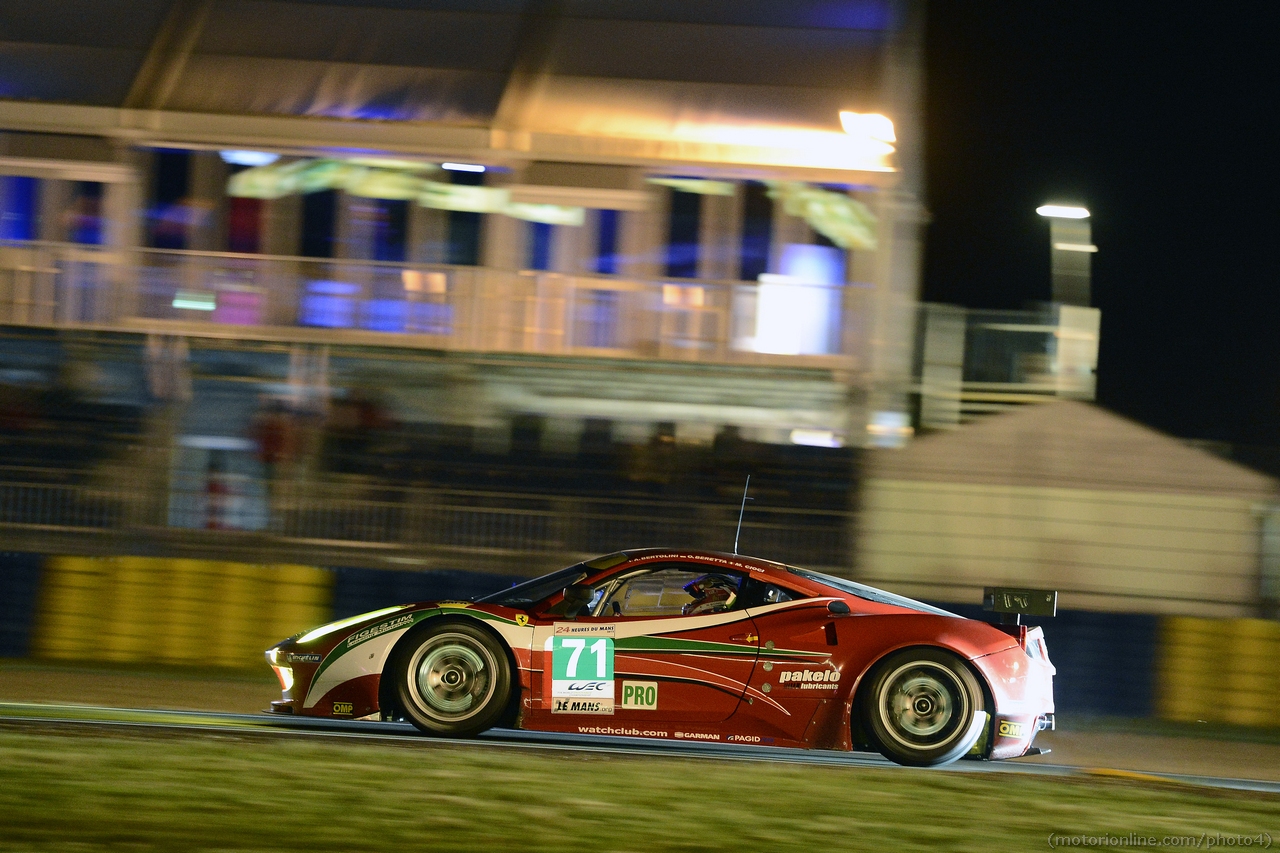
{"x": 144, "y": 791}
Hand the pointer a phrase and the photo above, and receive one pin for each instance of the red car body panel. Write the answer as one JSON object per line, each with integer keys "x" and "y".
{"x": 784, "y": 674}
{"x": 707, "y": 686}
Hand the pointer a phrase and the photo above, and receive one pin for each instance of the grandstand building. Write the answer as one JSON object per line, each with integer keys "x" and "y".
{"x": 622, "y": 250}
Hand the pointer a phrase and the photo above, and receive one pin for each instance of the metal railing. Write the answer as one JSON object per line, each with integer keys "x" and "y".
{"x": 421, "y": 519}
{"x": 428, "y": 305}
{"x": 60, "y": 505}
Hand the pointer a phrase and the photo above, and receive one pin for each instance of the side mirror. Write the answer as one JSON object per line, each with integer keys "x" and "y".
{"x": 578, "y": 594}
{"x": 838, "y": 608}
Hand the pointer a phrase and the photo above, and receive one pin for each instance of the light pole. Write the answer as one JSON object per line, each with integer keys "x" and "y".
{"x": 1070, "y": 245}
{"x": 1074, "y": 348}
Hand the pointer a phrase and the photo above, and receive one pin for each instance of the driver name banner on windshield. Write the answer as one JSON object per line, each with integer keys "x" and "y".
{"x": 582, "y": 675}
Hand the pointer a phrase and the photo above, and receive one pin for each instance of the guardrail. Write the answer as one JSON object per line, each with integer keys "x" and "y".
{"x": 420, "y": 520}
{"x": 429, "y": 305}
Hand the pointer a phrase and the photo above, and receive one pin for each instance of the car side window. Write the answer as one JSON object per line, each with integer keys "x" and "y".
{"x": 757, "y": 593}
{"x": 681, "y": 590}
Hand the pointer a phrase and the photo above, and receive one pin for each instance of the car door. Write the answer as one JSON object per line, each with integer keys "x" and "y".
{"x": 799, "y": 661}
{"x": 645, "y": 650}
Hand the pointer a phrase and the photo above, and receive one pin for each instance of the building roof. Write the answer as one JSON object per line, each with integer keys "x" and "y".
{"x": 1068, "y": 444}
{"x": 587, "y": 78}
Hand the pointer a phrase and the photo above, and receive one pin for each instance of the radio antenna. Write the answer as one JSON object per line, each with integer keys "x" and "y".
{"x": 741, "y": 510}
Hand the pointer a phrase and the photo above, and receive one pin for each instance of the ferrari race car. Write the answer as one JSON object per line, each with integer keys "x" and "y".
{"x": 694, "y": 646}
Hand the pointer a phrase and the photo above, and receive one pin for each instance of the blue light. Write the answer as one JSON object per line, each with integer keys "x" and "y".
{"x": 248, "y": 158}
{"x": 17, "y": 208}
{"x": 843, "y": 14}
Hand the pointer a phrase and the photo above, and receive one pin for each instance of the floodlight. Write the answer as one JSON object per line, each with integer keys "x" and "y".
{"x": 1062, "y": 211}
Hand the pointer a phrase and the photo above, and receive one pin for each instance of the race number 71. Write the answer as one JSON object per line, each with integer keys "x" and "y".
{"x": 582, "y": 657}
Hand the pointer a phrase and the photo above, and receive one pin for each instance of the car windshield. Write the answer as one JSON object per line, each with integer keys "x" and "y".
{"x": 870, "y": 593}
{"x": 524, "y": 594}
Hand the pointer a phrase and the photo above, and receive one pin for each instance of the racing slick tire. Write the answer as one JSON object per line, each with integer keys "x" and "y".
{"x": 451, "y": 678}
{"x": 924, "y": 707}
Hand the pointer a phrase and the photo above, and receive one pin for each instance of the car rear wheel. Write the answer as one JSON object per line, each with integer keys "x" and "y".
{"x": 924, "y": 708}
{"x": 452, "y": 679}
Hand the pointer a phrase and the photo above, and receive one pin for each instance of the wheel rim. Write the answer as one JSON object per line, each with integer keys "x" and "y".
{"x": 451, "y": 677}
{"x": 923, "y": 704}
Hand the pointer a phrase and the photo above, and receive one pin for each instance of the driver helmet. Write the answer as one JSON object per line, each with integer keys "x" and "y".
{"x": 711, "y": 594}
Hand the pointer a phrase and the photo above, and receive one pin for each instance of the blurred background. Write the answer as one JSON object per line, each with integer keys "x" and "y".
{"x": 307, "y": 308}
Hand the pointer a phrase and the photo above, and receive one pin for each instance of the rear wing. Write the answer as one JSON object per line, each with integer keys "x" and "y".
{"x": 1013, "y": 604}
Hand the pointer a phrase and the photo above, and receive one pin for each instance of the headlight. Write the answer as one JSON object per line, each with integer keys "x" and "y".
{"x": 285, "y": 674}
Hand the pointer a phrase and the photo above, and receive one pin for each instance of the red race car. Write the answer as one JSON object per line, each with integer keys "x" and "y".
{"x": 687, "y": 645}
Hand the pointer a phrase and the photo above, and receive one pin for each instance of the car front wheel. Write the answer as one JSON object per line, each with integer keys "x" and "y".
{"x": 452, "y": 679}
{"x": 924, "y": 708}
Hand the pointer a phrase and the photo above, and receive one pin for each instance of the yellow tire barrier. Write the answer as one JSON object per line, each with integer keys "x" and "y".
{"x": 1219, "y": 670}
{"x": 174, "y": 611}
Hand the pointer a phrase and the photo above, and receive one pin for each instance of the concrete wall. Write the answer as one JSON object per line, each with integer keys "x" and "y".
{"x": 203, "y": 613}
{"x": 1213, "y": 671}
{"x": 200, "y": 613}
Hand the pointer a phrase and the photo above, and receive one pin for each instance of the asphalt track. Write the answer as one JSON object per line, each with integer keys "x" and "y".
{"x": 29, "y": 715}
